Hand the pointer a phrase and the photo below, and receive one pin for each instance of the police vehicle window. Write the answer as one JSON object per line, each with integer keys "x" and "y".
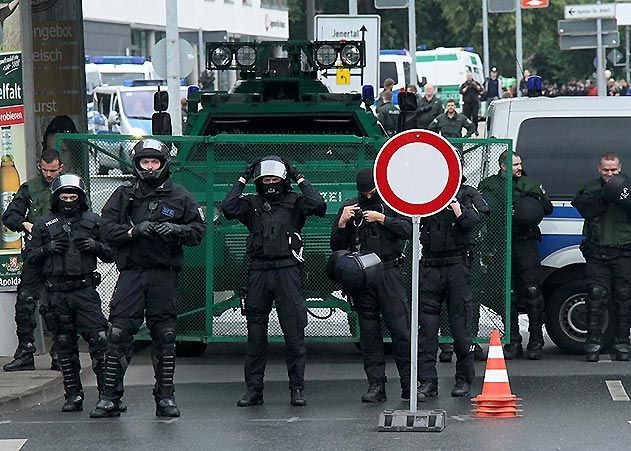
{"x": 138, "y": 104}
{"x": 388, "y": 70}
{"x": 117, "y": 79}
{"x": 562, "y": 153}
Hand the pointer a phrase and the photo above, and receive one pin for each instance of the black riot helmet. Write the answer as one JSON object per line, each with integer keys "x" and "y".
{"x": 151, "y": 148}
{"x": 68, "y": 183}
{"x": 271, "y": 166}
{"x": 527, "y": 212}
{"x": 618, "y": 190}
{"x": 355, "y": 271}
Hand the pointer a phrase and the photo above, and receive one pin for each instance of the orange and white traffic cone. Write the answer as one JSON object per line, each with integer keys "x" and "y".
{"x": 496, "y": 399}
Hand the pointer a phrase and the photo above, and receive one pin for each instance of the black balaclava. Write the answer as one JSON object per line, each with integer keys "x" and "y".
{"x": 271, "y": 191}
{"x": 365, "y": 183}
{"x": 71, "y": 209}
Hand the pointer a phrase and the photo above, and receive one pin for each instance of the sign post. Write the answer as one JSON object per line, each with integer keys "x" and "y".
{"x": 417, "y": 173}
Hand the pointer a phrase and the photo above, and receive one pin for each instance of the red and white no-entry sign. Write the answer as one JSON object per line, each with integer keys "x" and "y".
{"x": 417, "y": 173}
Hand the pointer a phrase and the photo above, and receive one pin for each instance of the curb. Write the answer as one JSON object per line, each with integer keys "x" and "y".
{"x": 46, "y": 392}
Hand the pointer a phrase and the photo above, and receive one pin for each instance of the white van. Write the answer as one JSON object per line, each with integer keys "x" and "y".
{"x": 394, "y": 64}
{"x": 560, "y": 141}
{"x": 446, "y": 69}
{"x": 115, "y": 70}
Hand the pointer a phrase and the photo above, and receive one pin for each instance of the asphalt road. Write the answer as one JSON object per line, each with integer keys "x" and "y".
{"x": 566, "y": 405}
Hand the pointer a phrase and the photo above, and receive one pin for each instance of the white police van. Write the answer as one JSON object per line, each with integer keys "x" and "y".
{"x": 394, "y": 64}
{"x": 115, "y": 70}
{"x": 560, "y": 141}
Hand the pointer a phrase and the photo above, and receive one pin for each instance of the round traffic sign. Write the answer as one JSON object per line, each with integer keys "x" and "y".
{"x": 417, "y": 172}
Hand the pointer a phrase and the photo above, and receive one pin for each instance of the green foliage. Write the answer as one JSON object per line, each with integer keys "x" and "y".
{"x": 458, "y": 23}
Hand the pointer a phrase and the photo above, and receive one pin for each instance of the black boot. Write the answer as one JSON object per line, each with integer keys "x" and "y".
{"x": 297, "y": 398}
{"x": 592, "y": 351}
{"x": 252, "y": 397}
{"x": 513, "y": 350}
{"x": 376, "y": 393}
{"x": 478, "y": 353}
{"x": 622, "y": 350}
{"x": 166, "y": 407}
{"x": 428, "y": 388}
{"x": 74, "y": 403}
{"x": 461, "y": 389}
{"x": 23, "y": 359}
{"x": 108, "y": 404}
{"x": 54, "y": 363}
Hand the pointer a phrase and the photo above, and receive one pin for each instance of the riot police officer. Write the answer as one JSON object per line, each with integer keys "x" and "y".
{"x": 366, "y": 223}
{"x": 274, "y": 216}
{"x": 604, "y": 204}
{"x": 530, "y": 204}
{"x": 445, "y": 277}
{"x": 147, "y": 222}
{"x": 31, "y": 202}
{"x": 66, "y": 243}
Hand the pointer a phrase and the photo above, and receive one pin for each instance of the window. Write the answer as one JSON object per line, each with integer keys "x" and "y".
{"x": 406, "y": 73}
{"x": 103, "y": 103}
{"x": 388, "y": 70}
{"x": 562, "y": 152}
{"x": 274, "y": 4}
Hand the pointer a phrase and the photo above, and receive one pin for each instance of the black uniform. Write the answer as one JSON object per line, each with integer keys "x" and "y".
{"x": 148, "y": 268}
{"x": 387, "y": 297}
{"x": 388, "y": 115}
{"x": 73, "y": 302}
{"x": 30, "y": 202}
{"x": 471, "y": 91}
{"x": 445, "y": 277}
{"x": 274, "y": 274}
{"x": 607, "y": 251}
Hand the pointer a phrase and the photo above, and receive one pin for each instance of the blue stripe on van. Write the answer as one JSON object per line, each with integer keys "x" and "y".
{"x": 549, "y": 244}
{"x": 565, "y": 212}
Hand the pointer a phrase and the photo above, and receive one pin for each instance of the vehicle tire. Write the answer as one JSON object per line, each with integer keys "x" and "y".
{"x": 190, "y": 348}
{"x": 566, "y": 318}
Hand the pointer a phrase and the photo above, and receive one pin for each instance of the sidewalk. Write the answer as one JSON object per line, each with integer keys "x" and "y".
{"x": 22, "y": 389}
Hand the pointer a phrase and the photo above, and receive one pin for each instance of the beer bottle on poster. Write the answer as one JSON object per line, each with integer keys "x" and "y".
{"x": 9, "y": 184}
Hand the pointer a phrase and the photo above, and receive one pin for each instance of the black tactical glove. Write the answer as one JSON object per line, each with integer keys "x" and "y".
{"x": 58, "y": 246}
{"x": 249, "y": 171}
{"x": 142, "y": 229}
{"x": 293, "y": 172}
{"x": 86, "y": 245}
{"x": 167, "y": 229}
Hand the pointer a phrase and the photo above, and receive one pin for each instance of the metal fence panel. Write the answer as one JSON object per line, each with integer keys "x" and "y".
{"x": 207, "y": 166}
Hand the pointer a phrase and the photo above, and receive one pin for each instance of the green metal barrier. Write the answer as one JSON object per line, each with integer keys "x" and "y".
{"x": 207, "y": 166}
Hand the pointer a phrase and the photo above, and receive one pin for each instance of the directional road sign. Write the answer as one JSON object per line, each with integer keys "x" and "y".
{"x": 592, "y": 11}
{"x": 570, "y": 42}
{"x": 615, "y": 57}
{"x": 501, "y": 6}
{"x": 417, "y": 173}
{"x": 391, "y": 4}
{"x": 587, "y": 26}
{"x": 527, "y": 4}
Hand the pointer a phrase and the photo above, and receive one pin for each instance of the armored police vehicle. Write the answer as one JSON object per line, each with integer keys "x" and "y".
{"x": 560, "y": 141}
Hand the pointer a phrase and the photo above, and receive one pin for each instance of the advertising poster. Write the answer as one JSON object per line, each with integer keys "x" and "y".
{"x": 12, "y": 142}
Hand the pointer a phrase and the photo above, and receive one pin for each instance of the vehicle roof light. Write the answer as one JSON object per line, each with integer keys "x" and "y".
{"x": 326, "y": 55}
{"x": 221, "y": 57}
{"x": 246, "y": 56}
{"x": 393, "y": 52}
{"x": 117, "y": 59}
{"x": 351, "y": 55}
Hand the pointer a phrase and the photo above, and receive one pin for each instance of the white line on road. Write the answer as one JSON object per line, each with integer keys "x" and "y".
{"x": 605, "y": 360}
{"x": 15, "y": 444}
{"x": 617, "y": 391}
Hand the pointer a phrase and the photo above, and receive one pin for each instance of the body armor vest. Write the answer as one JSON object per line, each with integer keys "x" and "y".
{"x": 72, "y": 263}
{"x": 374, "y": 237}
{"x": 273, "y": 227}
{"x": 441, "y": 234}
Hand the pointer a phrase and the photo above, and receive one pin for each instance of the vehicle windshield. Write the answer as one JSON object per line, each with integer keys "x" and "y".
{"x": 138, "y": 104}
{"x": 118, "y": 78}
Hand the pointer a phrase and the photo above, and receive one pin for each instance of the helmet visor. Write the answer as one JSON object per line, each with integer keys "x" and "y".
{"x": 270, "y": 168}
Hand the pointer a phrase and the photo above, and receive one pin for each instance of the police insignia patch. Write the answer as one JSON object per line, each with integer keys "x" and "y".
{"x": 167, "y": 211}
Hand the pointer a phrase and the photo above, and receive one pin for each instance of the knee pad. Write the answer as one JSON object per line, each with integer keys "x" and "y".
{"x": 598, "y": 294}
{"x": 65, "y": 343}
{"x": 64, "y": 323}
{"x": 118, "y": 338}
{"x": 26, "y": 303}
{"x": 531, "y": 293}
{"x": 98, "y": 342}
{"x": 623, "y": 295}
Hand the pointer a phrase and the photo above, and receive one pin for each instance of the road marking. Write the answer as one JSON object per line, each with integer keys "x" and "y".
{"x": 617, "y": 391}
{"x": 293, "y": 420}
{"x": 605, "y": 360}
{"x": 15, "y": 444}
